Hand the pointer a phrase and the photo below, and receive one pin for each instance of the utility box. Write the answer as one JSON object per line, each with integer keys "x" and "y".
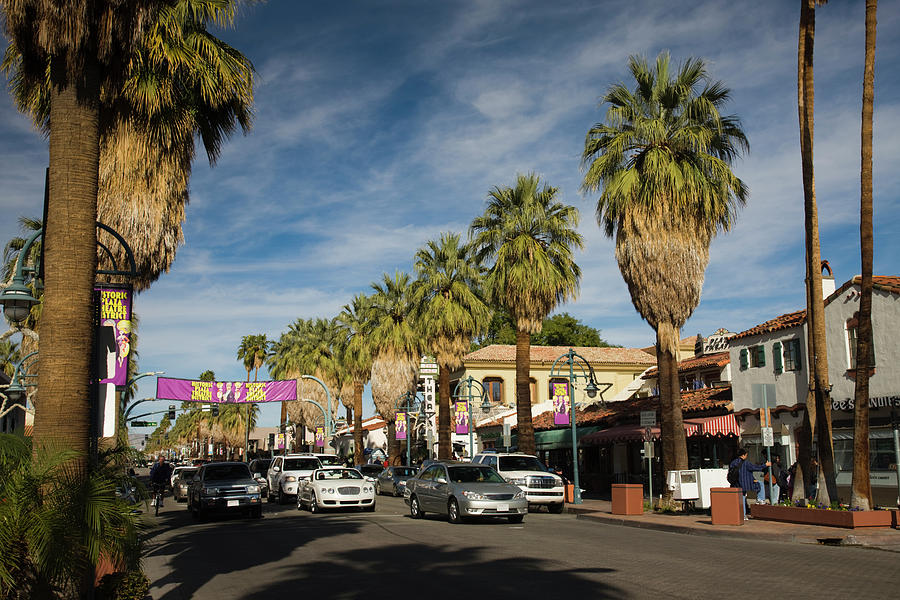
{"x": 708, "y": 479}
{"x": 684, "y": 484}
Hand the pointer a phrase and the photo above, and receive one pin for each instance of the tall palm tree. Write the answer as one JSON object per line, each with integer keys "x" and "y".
{"x": 662, "y": 161}
{"x": 452, "y": 310}
{"x": 817, "y": 417}
{"x": 356, "y": 358}
{"x": 253, "y": 351}
{"x": 397, "y": 345}
{"x": 87, "y": 40}
{"x": 9, "y": 356}
{"x": 861, "y": 487}
{"x": 531, "y": 238}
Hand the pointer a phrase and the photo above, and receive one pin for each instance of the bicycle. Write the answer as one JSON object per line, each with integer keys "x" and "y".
{"x": 158, "y": 495}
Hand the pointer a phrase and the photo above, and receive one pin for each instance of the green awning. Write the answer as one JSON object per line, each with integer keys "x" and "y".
{"x": 560, "y": 438}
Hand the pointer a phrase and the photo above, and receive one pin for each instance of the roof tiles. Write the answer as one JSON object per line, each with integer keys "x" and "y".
{"x": 548, "y": 354}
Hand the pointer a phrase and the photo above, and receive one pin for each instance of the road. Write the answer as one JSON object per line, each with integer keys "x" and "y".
{"x": 386, "y": 554}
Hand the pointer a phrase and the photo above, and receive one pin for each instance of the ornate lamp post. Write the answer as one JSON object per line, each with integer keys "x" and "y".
{"x": 468, "y": 397}
{"x": 573, "y": 359}
{"x": 16, "y": 298}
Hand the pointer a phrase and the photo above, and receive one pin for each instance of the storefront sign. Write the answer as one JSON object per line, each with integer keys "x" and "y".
{"x": 462, "y": 417}
{"x": 848, "y": 404}
{"x": 192, "y": 390}
{"x": 400, "y": 426}
{"x": 560, "y": 403}
{"x": 114, "y": 334}
{"x": 717, "y": 342}
{"x": 320, "y": 437}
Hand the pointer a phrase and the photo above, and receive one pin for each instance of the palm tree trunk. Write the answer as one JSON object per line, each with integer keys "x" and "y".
{"x": 63, "y": 417}
{"x": 357, "y": 424}
{"x": 523, "y": 393}
{"x": 445, "y": 445}
{"x": 393, "y": 444}
{"x": 671, "y": 423}
{"x": 861, "y": 488}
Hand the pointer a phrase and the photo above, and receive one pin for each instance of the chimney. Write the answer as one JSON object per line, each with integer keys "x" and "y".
{"x": 827, "y": 280}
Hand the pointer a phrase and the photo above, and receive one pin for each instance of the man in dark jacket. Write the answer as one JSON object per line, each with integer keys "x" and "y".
{"x": 745, "y": 476}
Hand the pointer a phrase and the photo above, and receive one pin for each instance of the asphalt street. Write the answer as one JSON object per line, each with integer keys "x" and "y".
{"x": 386, "y": 554}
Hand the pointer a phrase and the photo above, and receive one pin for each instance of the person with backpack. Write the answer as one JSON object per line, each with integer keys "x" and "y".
{"x": 740, "y": 475}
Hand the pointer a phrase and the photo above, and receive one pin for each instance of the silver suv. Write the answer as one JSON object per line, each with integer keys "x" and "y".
{"x": 530, "y": 474}
{"x": 286, "y": 472}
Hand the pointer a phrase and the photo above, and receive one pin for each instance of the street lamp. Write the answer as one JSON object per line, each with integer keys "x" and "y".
{"x": 327, "y": 413}
{"x": 407, "y": 401}
{"x": 17, "y": 390}
{"x": 16, "y": 298}
{"x": 469, "y": 396}
{"x": 574, "y": 359}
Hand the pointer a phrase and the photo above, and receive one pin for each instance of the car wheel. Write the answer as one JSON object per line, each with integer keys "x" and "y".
{"x": 299, "y": 503}
{"x": 453, "y": 511}
{"x": 281, "y": 498}
{"x": 516, "y": 518}
{"x": 313, "y": 503}
{"x": 415, "y": 511}
{"x": 396, "y": 492}
{"x": 555, "y": 508}
{"x": 369, "y": 508}
{"x": 256, "y": 512}
{"x": 377, "y": 488}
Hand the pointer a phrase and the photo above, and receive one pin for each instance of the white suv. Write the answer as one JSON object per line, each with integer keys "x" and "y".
{"x": 530, "y": 474}
{"x": 286, "y": 472}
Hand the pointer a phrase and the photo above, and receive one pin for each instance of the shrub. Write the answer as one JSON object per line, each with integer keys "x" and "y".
{"x": 131, "y": 585}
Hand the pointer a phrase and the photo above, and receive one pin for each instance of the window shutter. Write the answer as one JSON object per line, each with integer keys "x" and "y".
{"x": 761, "y": 355}
{"x": 743, "y": 358}
{"x": 777, "y": 358}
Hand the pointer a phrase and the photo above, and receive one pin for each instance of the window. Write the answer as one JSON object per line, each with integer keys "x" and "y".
{"x": 852, "y": 340}
{"x": 792, "y": 355}
{"x": 494, "y": 388}
{"x": 757, "y": 356}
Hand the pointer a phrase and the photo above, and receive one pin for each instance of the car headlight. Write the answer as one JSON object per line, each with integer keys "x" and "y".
{"x": 330, "y": 490}
{"x": 519, "y": 495}
{"x": 473, "y": 495}
{"x": 516, "y": 480}
{"x": 290, "y": 478}
{"x": 252, "y": 489}
{"x": 210, "y": 491}
{"x": 368, "y": 489}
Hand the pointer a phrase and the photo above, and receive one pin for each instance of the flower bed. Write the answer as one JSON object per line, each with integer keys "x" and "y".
{"x": 849, "y": 519}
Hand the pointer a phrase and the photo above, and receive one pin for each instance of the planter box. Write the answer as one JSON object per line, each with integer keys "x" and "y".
{"x": 849, "y": 519}
{"x": 627, "y": 499}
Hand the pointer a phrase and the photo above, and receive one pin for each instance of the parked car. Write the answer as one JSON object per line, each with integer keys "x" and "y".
{"x": 327, "y": 460}
{"x": 224, "y": 487}
{"x": 181, "y": 484}
{"x": 175, "y": 471}
{"x": 393, "y": 480}
{"x": 460, "y": 490}
{"x": 336, "y": 487}
{"x": 259, "y": 467}
{"x": 286, "y": 473}
{"x": 530, "y": 474}
{"x": 370, "y": 471}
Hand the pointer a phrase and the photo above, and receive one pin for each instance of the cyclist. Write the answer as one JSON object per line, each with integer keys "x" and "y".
{"x": 160, "y": 473}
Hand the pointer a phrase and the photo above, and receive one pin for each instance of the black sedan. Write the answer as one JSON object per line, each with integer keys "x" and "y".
{"x": 224, "y": 487}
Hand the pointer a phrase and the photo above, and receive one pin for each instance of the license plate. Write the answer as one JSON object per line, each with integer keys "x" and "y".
{"x": 233, "y": 503}
{"x": 503, "y": 508}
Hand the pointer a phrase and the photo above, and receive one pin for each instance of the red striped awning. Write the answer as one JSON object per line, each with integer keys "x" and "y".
{"x": 624, "y": 433}
{"x": 721, "y": 425}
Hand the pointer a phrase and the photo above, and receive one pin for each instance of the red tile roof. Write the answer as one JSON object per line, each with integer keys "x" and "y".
{"x": 696, "y": 363}
{"x": 690, "y": 340}
{"x": 778, "y": 323}
{"x": 548, "y": 354}
{"x": 693, "y": 402}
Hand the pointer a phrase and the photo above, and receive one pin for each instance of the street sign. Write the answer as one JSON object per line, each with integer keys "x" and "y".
{"x": 768, "y": 436}
{"x": 648, "y": 434}
{"x": 507, "y": 434}
{"x": 648, "y": 449}
{"x": 648, "y": 418}
{"x": 144, "y": 423}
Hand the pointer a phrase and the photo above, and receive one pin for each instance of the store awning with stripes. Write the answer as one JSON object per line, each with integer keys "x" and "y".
{"x": 625, "y": 433}
{"x": 721, "y": 425}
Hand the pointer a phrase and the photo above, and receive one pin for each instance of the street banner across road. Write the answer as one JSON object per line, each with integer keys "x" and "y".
{"x": 193, "y": 390}
{"x": 400, "y": 430}
{"x": 462, "y": 417}
{"x": 560, "y": 402}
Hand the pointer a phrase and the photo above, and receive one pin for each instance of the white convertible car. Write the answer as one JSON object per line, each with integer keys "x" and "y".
{"x": 336, "y": 487}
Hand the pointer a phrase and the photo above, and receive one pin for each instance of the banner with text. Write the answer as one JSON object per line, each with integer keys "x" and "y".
{"x": 462, "y": 417}
{"x": 560, "y": 402}
{"x": 193, "y": 390}
{"x": 400, "y": 430}
{"x": 114, "y": 335}
{"x": 320, "y": 437}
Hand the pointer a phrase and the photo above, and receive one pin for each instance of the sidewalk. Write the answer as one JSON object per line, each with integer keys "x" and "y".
{"x": 700, "y": 524}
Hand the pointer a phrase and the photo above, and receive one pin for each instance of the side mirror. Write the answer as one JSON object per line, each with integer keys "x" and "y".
{"x": 276, "y": 469}
{"x": 255, "y": 475}
{"x": 441, "y": 480}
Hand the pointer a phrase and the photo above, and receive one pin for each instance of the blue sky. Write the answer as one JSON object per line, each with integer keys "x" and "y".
{"x": 381, "y": 124}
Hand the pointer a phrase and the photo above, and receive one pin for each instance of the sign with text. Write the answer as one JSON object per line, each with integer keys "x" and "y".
{"x": 320, "y": 437}
{"x": 560, "y": 391}
{"x": 400, "y": 426}
{"x": 114, "y": 334}
{"x": 193, "y": 390}
{"x": 462, "y": 417}
{"x": 768, "y": 436}
{"x": 648, "y": 418}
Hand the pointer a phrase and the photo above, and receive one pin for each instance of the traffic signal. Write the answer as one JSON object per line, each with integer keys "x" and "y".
{"x": 171, "y": 412}
{"x": 215, "y": 410}
{"x": 146, "y": 437}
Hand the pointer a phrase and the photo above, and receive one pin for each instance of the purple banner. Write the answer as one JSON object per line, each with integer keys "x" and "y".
{"x": 114, "y": 335}
{"x": 560, "y": 402}
{"x": 280, "y": 441}
{"x": 462, "y": 417}
{"x": 400, "y": 426}
{"x": 320, "y": 437}
{"x": 193, "y": 390}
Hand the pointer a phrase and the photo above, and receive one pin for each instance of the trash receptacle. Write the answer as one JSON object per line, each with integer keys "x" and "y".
{"x": 627, "y": 499}
{"x": 570, "y": 493}
{"x": 725, "y": 506}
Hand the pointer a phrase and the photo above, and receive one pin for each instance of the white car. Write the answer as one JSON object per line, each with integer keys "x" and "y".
{"x": 530, "y": 474}
{"x": 175, "y": 472}
{"x": 336, "y": 487}
{"x": 287, "y": 472}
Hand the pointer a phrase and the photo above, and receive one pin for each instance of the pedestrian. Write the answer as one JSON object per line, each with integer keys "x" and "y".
{"x": 745, "y": 480}
{"x": 159, "y": 474}
{"x": 777, "y": 474}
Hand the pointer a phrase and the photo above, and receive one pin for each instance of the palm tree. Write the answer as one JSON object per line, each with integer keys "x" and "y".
{"x": 452, "y": 311}
{"x": 531, "y": 238}
{"x": 253, "y": 351}
{"x": 397, "y": 345}
{"x": 817, "y": 416}
{"x": 9, "y": 356}
{"x": 861, "y": 488}
{"x": 663, "y": 162}
{"x": 356, "y": 358}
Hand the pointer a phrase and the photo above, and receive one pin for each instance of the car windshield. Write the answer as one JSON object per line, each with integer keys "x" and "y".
{"x": 371, "y": 469}
{"x": 330, "y": 460}
{"x": 474, "y": 474}
{"x": 301, "y": 464}
{"x": 186, "y": 473}
{"x": 324, "y": 474}
{"x": 521, "y": 463}
{"x": 262, "y": 465}
{"x": 404, "y": 471}
{"x": 222, "y": 472}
